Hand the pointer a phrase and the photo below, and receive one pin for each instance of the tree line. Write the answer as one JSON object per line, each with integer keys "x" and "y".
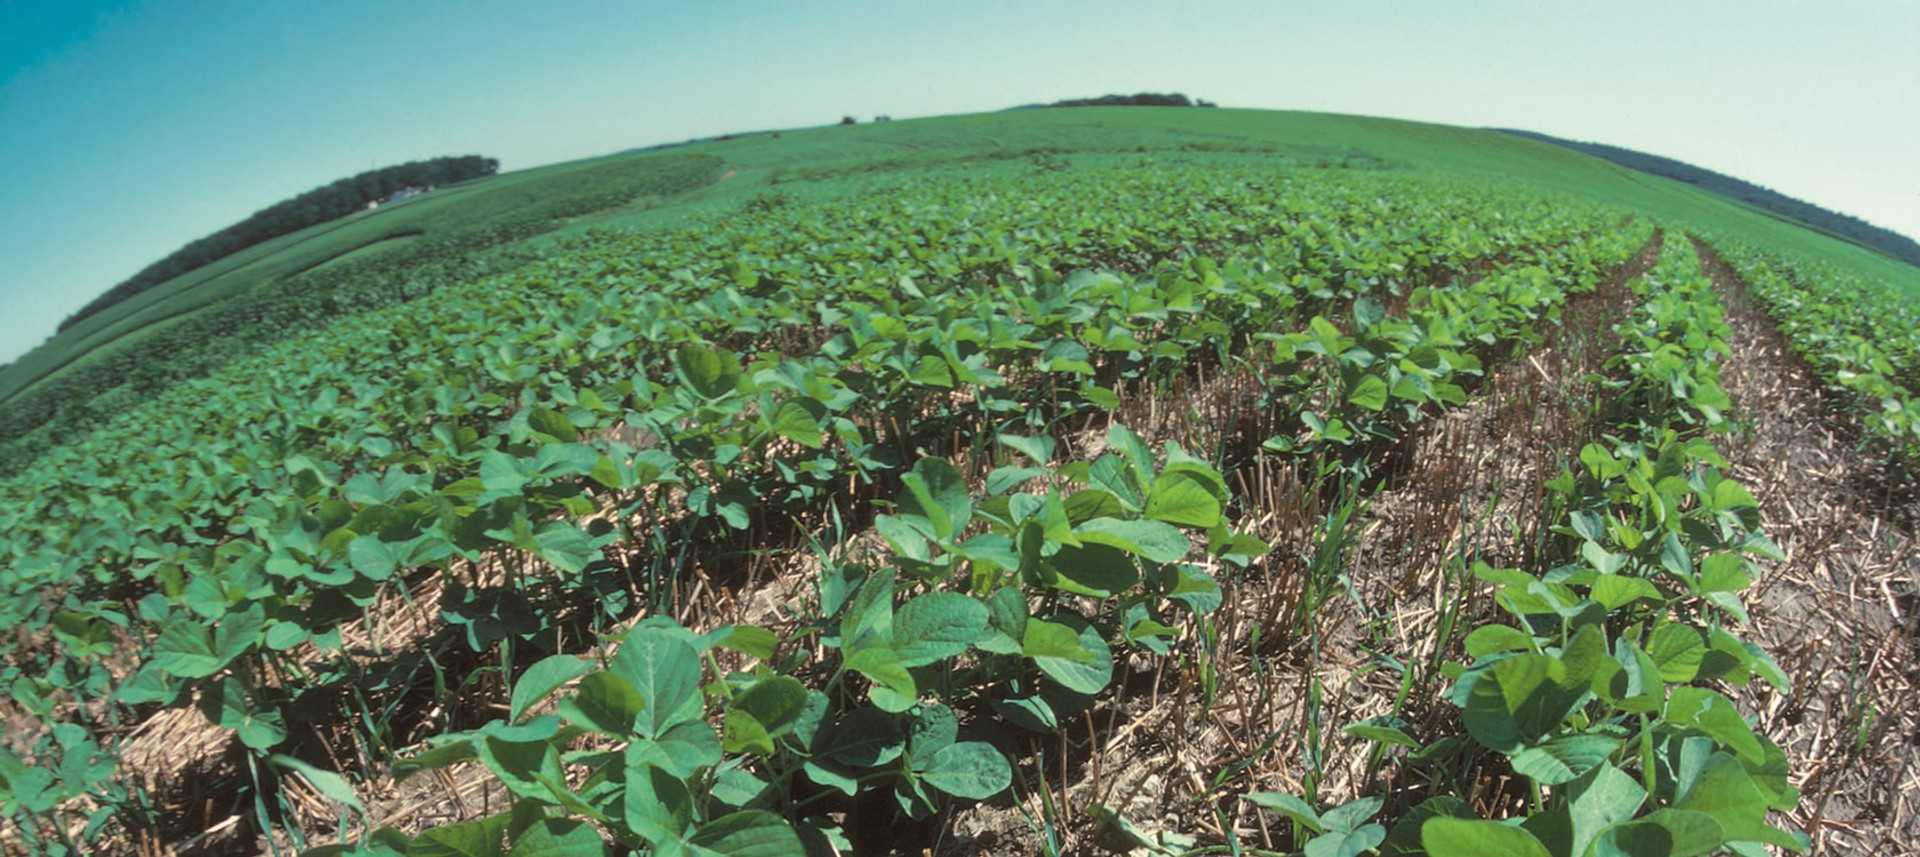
{"x": 327, "y": 202}
{"x": 1140, "y": 99}
{"x": 1844, "y": 225}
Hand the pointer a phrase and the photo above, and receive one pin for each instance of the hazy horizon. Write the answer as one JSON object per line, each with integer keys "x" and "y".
{"x": 128, "y": 129}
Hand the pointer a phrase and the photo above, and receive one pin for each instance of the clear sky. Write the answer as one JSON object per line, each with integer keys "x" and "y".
{"x": 130, "y": 128}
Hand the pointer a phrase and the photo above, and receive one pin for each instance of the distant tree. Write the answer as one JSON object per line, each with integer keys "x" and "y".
{"x": 883, "y": 118}
{"x": 1142, "y": 99}
{"x": 848, "y": 120}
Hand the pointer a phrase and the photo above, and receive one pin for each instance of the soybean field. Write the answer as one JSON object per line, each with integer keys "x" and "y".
{"x": 1134, "y": 480}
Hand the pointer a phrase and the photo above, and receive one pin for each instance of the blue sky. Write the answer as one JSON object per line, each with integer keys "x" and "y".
{"x": 130, "y": 128}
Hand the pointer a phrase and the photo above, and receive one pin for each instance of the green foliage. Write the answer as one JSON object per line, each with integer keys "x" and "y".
{"x": 189, "y": 326}
{"x": 686, "y": 392}
{"x": 1597, "y": 695}
{"x": 1857, "y": 333}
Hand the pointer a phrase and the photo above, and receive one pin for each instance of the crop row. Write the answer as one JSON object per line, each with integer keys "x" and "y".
{"x": 662, "y": 392}
{"x": 1597, "y": 696}
{"x": 1022, "y": 601}
{"x": 1860, "y": 337}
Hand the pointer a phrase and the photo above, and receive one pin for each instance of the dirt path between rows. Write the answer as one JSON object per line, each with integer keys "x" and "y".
{"x": 1839, "y": 614}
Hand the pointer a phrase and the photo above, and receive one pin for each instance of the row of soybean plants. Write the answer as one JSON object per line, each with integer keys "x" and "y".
{"x": 1859, "y": 334}
{"x": 1002, "y": 605}
{"x": 1018, "y": 604}
{"x": 1020, "y": 600}
{"x": 1596, "y": 696}
{"x": 236, "y": 524}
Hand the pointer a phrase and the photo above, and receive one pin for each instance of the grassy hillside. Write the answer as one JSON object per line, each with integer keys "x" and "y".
{"x": 472, "y": 214}
{"x": 1137, "y": 480}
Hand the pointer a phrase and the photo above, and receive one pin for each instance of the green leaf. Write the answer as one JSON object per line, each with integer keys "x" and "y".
{"x": 150, "y": 684}
{"x": 1370, "y": 393}
{"x": 1715, "y": 716}
{"x": 710, "y": 374}
{"x": 1603, "y": 797}
{"x": 1404, "y": 839}
{"x": 1192, "y": 586}
{"x": 604, "y": 703}
{"x": 665, "y": 670}
{"x": 477, "y": 838}
{"x": 1006, "y": 621}
{"x": 1350, "y": 815}
{"x": 1289, "y": 806}
{"x": 988, "y": 553}
{"x": 866, "y": 738}
{"x": 1564, "y": 758}
{"x": 1039, "y": 450}
{"x": 1156, "y": 540}
{"x": 1676, "y": 560}
{"x": 185, "y": 649}
{"x": 238, "y": 632}
{"x": 764, "y": 711}
{"x": 869, "y": 613}
{"x": 746, "y": 639}
{"x": 371, "y": 557}
{"x": 795, "y": 422}
{"x": 608, "y": 473}
{"x": 559, "y": 837}
{"x": 553, "y": 424}
{"x": 749, "y": 833}
{"x": 501, "y": 473}
{"x": 565, "y": 546}
{"x": 526, "y": 768}
{"x": 931, "y": 727}
{"x": 657, "y": 804}
{"x": 1004, "y": 479}
{"x": 557, "y": 460}
{"x": 1045, "y": 639}
{"x": 1725, "y": 791}
{"x": 1519, "y": 699}
{"x": 1384, "y": 729}
{"x": 542, "y": 679}
{"x": 936, "y": 491}
{"x": 1028, "y": 712}
{"x": 1181, "y": 498}
{"x": 935, "y": 626}
{"x": 226, "y": 704}
{"x": 1346, "y": 843}
{"x": 1662, "y": 833}
{"x": 1072, "y": 673}
{"x": 1460, "y": 837}
{"x": 1488, "y": 639}
{"x": 1676, "y": 651}
{"x": 969, "y": 769}
{"x": 1113, "y": 832}
{"x": 882, "y": 667}
{"x": 1096, "y": 570}
{"x": 681, "y": 750}
{"x": 1618, "y": 590}
{"x": 455, "y": 749}
{"x": 1724, "y": 572}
